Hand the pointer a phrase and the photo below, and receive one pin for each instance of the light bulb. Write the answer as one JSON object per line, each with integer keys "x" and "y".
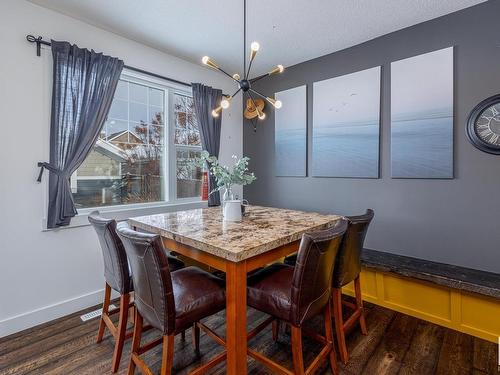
{"x": 224, "y": 103}
{"x": 275, "y": 103}
{"x": 215, "y": 112}
{"x": 277, "y": 69}
{"x": 254, "y": 47}
{"x": 208, "y": 61}
{"x": 262, "y": 116}
{"x": 236, "y": 76}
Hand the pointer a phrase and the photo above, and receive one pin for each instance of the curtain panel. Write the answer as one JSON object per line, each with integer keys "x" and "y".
{"x": 205, "y": 100}
{"x": 84, "y": 83}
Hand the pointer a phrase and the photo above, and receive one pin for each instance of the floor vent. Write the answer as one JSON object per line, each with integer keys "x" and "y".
{"x": 94, "y": 314}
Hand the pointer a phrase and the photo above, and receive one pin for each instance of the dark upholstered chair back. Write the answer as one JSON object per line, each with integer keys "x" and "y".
{"x": 312, "y": 278}
{"x": 116, "y": 270}
{"x": 153, "y": 291}
{"x": 349, "y": 256}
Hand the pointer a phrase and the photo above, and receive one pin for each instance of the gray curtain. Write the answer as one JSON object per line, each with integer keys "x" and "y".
{"x": 205, "y": 100}
{"x": 84, "y": 84}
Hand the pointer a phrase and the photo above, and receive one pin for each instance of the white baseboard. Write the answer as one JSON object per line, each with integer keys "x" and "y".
{"x": 47, "y": 313}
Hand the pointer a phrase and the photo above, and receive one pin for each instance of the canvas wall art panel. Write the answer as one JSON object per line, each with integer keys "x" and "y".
{"x": 346, "y": 125}
{"x": 422, "y": 116}
{"x": 290, "y": 136}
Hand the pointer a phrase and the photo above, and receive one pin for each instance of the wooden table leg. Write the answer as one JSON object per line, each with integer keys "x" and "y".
{"x": 236, "y": 318}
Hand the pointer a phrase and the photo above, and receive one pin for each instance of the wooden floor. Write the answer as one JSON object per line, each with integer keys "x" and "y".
{"x": 396, "y": 344}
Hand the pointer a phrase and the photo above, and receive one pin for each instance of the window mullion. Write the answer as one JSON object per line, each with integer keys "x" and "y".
{"x": 172, "y": 175}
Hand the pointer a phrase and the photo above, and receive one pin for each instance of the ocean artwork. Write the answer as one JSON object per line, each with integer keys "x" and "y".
{"x": 290, "y": 137}
{"x": 346, "y": 125}
{"x": 422, "y": 116}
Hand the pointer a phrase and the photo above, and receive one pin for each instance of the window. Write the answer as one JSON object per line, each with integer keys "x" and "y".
{"x": 187, "y": 146}
{"x": 145, "y": 149}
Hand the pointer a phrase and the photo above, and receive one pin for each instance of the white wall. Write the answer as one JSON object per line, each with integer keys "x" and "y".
{"x": 47, "y": 274}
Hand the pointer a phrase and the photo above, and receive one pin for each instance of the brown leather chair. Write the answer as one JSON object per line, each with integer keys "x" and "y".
{"x": 168, "y": 301}
{"x": 348, "y": 269}
{"x": 296, "y": 294}
{"x": 117, "y": 276}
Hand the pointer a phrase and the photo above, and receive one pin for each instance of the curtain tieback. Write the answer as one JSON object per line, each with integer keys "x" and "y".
{"x": 50, "y": 168}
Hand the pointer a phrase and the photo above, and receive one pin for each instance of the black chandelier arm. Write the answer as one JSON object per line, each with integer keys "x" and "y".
{"x": 226, "y": 73}
{"x": 253, "y": 101}
{"x": 235, "y": 93}
{"x": 259, "y": 94}
{"x": 258, "y": 78}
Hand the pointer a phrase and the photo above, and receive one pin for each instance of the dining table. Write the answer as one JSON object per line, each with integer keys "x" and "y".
{"x": 263, "y": 236}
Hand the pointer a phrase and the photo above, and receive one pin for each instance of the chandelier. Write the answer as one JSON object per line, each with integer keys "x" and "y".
{"x": 244, "y": 82}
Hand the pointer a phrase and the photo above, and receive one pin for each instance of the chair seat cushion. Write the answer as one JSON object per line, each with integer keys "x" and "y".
{"x": 290, "y": 260}
{"x": 269, "y": 290}
{"x": 174, "y": 263}
{"x": 197, "y": 294}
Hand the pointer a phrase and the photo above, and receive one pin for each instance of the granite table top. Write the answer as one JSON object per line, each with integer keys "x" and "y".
{"x": 262, "y": 229}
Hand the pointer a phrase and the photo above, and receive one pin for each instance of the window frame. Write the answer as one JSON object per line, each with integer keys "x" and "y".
{"x": 170, "y": 161}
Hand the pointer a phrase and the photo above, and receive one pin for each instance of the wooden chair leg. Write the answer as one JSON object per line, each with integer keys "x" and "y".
{"x": 105, "y": 309}
{"x": 329, "y": 338}
{"x": 121, "y": 331}
{"x": 196, "y": 338}
{"x": 136, "y": 342}
{"x": 339, "y": 324}
{"x": 167, "y": 357}
{"x": 131, "y": 310}
{"x": 276, "y": 329}
{"x": 298, "y": 359}
{"x": 359, "y": 305}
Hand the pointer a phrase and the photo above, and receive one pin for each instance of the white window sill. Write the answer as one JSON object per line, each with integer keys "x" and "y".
{"x": 126, "y": 212}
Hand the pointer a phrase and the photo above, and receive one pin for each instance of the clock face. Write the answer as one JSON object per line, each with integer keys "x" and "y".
{"x": 483, "y": 126}
{"x": 487, "y": 125}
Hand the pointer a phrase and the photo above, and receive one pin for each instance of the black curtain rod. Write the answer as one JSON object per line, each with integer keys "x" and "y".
{"x": 39, "y": 41}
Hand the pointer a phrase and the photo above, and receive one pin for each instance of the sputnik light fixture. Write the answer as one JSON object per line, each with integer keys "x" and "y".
{"x": 245, "y": 83}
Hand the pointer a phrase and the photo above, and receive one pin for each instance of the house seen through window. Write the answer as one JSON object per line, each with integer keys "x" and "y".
{"x": 145, "y": 148}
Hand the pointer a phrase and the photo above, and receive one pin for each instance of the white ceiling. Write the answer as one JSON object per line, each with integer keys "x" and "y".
{"x": 289, "y": 32}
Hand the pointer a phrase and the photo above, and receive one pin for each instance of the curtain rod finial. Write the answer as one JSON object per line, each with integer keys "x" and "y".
{"x": 39, "y": 41}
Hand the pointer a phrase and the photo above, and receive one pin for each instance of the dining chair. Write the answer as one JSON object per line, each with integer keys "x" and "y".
{"x": 347, "y": 270}
{"x": 294, "y": 295}
{"x": 168, "y": 301}
{"x": 117, "y": 276}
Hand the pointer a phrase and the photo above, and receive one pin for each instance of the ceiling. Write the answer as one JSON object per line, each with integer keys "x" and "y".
{"x": 289, "y": 32}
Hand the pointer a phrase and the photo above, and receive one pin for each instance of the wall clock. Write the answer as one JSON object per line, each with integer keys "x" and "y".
{"x": 483, "y": 125}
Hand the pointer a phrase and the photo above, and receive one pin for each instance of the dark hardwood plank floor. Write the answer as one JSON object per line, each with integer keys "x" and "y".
{"x": 396, "y": 344}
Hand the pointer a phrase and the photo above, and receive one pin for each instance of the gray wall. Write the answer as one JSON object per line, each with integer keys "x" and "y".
{"x": 453, "y": 221}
